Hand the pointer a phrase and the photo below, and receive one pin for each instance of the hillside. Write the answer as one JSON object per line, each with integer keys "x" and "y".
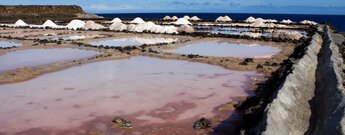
{"x": 38, "y": 14}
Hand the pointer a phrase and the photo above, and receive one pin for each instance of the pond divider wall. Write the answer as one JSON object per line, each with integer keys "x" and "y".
{"x": 311, "y": 99}
{"x": 289, "y": 112}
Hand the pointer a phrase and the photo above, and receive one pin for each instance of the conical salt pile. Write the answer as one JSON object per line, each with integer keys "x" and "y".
{"x": 195, "y": 18}
{"x": 116, "y": 20}
{"x": 186, "y": 28}
{"x": 186, "y": 17}
{"x": 75, "y": 24}
{"x": 49, "y": 23}
{"x": 20, "y": 23}
{"x": 118, "y": 26}
{"x": 137, "y": 20}
{"x": 174, "y": 18}
{"x": 91, "y": 25}
{"x": 182, "y": 21}
{"x": 250, "y": 19}
{"x": 167, "y": 18}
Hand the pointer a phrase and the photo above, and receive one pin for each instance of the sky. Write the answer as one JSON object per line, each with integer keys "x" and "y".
{"x": 197, "y": 6}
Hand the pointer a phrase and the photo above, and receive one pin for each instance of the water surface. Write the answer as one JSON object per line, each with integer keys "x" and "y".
{"x": 36, "y": 57}
{"x": 141, "y": 89}
{"x": 132, "y": 41}
{"x": 226, "y": 49}
{"x": 4, "y": 44}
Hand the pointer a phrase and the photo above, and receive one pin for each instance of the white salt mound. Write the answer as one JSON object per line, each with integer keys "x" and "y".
{"x": 259, "y": 23}
{"x": 131, "y": 27}
{"x": 49, "y": 23}
{"x": 186, "y": 17}
{"x": 20, "y": 23}
{"x": 223, "y": 19}
{"x": 271, "y": 21}
{"x": 195, "y": 18}
{"x": 250, "y": 19}
{"x": 170, "y": 29}
{"x": 75, "y": 24}
{"x": 118, "y": 26}
{"x": 186, "y": 28}
{"x": 147, "y": 26}
{"x": 137, "y": 20}
{"x": 166, "y": 18}
{"x": 91, "y": 25}
{"x": 182, "y": 21}
{"x": 116, "y": 20}
{"x": 288, "y": 21}
{"x": 308, "y": 22}
{"x": 174, "y": 18}
{"x": 158, "y": 29}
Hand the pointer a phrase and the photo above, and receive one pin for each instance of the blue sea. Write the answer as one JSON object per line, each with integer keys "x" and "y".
{"x": 338, "y": 21}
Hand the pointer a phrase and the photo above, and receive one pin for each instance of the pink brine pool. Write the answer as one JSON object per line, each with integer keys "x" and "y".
{"x": 227, "y": 49}
{"x": 147, "y": 91}
{"x": 37, "y": 57}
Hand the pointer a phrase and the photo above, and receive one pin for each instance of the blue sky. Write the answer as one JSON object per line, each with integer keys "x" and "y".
{"x": 217, "y": 6}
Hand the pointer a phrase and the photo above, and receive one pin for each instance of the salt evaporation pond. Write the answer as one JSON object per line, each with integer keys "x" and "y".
{"x": 226, "y": 49}
{"x": 147, "y": 91}
{"x": 238, "y": 31}
{"x": 36, "y": 57}
{"x": 132, "y": 41}
{"x": 4, "y": 44}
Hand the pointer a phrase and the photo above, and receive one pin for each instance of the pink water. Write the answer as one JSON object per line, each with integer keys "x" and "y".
{"x": 147, "y": 91}
{"x": 227, "y": 49}
{"x": 37, "y": 57}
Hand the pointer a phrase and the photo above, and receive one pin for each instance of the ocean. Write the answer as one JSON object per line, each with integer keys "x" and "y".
{"x": 338, "y": 21}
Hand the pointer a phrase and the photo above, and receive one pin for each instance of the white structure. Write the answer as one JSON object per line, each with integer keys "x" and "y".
{"x": 116, "y": 20}
{"x": 137, "y": 20}
{"x": 182, "y": 21}
{"x": 20, "y": 23}
{"x": 75, "y": 24}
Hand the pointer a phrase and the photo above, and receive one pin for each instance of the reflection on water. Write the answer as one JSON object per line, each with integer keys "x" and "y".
{"x": 4, "y": 44}
{"x": 238, "y": 31}
{"x": 36, "y": 57}
{"x": 142, "y": 89}
{"x": 70, "y": 38}
{"x": 226, "y": 49}
{"x": 133, "y": 41}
